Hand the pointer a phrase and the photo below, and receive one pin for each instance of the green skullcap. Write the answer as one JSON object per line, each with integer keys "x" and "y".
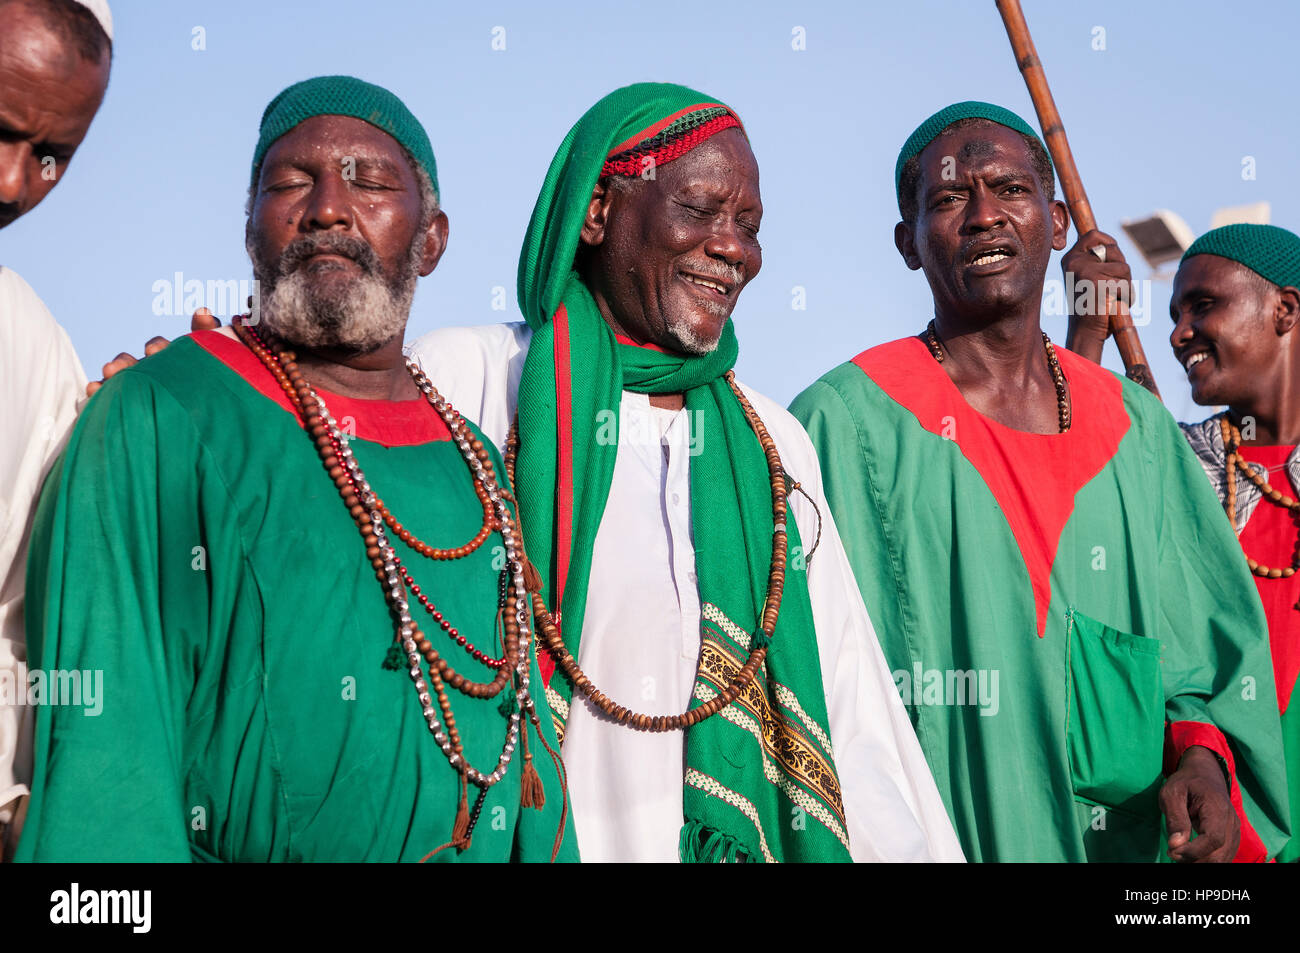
{"x": 1269, "y": 251}
{"x": 929, "y": 130}
{"x": 345, "y": 96}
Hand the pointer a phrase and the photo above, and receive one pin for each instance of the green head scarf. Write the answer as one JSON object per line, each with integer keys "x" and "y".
{"x": 750, "y": 764}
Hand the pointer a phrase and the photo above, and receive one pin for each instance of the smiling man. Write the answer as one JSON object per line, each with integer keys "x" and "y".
{"x": 715, "y": 677}
{"x": 1236, "y": 313}
{"x": 213, "y": 544}
{"x": 54, "y": 65}
{"x": 1012, "y": 509}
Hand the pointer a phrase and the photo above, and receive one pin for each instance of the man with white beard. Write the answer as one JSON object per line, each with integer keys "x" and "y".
{"x": 211, "y": 542}
{"x": 768, "y": 724}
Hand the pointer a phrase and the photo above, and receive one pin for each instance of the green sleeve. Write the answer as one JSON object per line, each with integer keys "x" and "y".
{"x": 107, "y": 783}
{"x": 848, "y": 477}
{"x": 1217, "y": 669}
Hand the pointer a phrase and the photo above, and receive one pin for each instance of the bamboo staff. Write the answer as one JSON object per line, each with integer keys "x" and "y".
{"x": 1031, "y": 68}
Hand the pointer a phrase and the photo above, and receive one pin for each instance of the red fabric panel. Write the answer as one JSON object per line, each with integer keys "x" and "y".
{"x": 1033, "y": 477}
{"x": 564, "y": 468}
{"x": 1270, "y": 538}
{"x": 390, "y": 423}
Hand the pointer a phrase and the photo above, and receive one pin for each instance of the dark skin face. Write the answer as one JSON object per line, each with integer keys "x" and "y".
{"x": 48, "y": 97}
{"x": 648, "y": 244}
{"x": 304, "y": 189}
{"x": 1247, "y": 333}
{"x": 980, "y": 201}
{"x": 987, "y": 316}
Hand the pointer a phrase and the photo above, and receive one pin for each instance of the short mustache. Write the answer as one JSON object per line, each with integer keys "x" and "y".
{"x": 732, "y": 274}
{"x": 349, "y": 246}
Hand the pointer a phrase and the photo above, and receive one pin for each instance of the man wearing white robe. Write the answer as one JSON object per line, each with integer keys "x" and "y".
{"x": 54, "y": 63}
{"x": 643, "y": 642}
{"x": 661, "y": 262}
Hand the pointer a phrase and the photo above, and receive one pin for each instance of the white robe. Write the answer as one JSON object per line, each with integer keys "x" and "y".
{"x": 41, "y": 384}
{"x": 641, "y": 634}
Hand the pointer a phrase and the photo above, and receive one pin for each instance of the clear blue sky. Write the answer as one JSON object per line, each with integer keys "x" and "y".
{"x": 1161, "y": 118}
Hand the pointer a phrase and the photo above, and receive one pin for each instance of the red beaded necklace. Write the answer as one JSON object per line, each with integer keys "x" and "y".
{"x": 554, "y": 641}
{"x": 371, "y": 516}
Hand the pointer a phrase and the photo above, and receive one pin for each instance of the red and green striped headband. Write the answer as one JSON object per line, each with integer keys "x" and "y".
{"x": 668, "y": 139}
{"x": 619, "y": 136}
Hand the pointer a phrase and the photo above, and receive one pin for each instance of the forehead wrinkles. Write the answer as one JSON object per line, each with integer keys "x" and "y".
{"x": 29, "y": 44}
{"x": 330, "y": 136}
{"x": 720, "y": 161}
{"x": 974, "y": 157}
{"x": 323, "y": 149}
{"x": 48, "y": 64}
{"x": 725, "y": 182}
{"x": 730, "y": 188}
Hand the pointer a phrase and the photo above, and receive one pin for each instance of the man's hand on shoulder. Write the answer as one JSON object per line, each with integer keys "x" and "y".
{"x": 202, "y": 320}
{"x": 1196, "y": 797}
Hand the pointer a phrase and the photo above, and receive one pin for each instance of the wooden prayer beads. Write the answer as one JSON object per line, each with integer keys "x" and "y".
{"x": 1053, "y": 365}
{"x": 1234, "y": 461}
{"x": 554, "y": 641}
{"x": 371, "y": 516}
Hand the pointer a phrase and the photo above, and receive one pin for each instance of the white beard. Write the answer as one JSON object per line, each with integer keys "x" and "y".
{"x": 681, "y": 330}
{"x": 689, "y": 341}
{"x": 362, "y": 316}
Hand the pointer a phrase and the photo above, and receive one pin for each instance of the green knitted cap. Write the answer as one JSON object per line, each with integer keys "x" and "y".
{"x": 1269, "y": 251}
{"x": 929, "y": 130}
{"x": 345, "y": 96}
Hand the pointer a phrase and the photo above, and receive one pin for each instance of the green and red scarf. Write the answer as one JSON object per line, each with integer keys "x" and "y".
{"x": 760, "y": 780}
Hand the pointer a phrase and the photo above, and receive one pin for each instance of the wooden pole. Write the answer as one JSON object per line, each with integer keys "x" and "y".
{"x": 1049, "y": 120}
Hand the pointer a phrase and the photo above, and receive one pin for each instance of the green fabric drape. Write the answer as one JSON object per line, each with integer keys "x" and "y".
{"x": 740, "y": 782}
{"x": 191, "y": 550}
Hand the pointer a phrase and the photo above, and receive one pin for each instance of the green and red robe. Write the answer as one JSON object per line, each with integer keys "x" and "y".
{"x": 1268, "y": 535}
{"x": 1065, "y": 614}
{"x": 191, "y": 547}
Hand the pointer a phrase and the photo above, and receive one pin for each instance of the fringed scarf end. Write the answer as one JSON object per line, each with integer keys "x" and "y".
{"x": 699, "y": 844}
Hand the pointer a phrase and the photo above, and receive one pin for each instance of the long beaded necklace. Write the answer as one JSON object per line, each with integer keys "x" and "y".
{"x": 621, "y": 714}
{"x": 1053, "y": 365}
{"x": 1235, "y": 462}
{"x": 371, "y": 516}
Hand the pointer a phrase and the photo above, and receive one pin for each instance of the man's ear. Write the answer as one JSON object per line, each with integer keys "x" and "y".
{"x": 593, "y": 227}
{"x": 435, "y": 243}
{"x": 906, "y": 245}
{"x": 1286, "y": 315}
{"x": 1060, "y": 224}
